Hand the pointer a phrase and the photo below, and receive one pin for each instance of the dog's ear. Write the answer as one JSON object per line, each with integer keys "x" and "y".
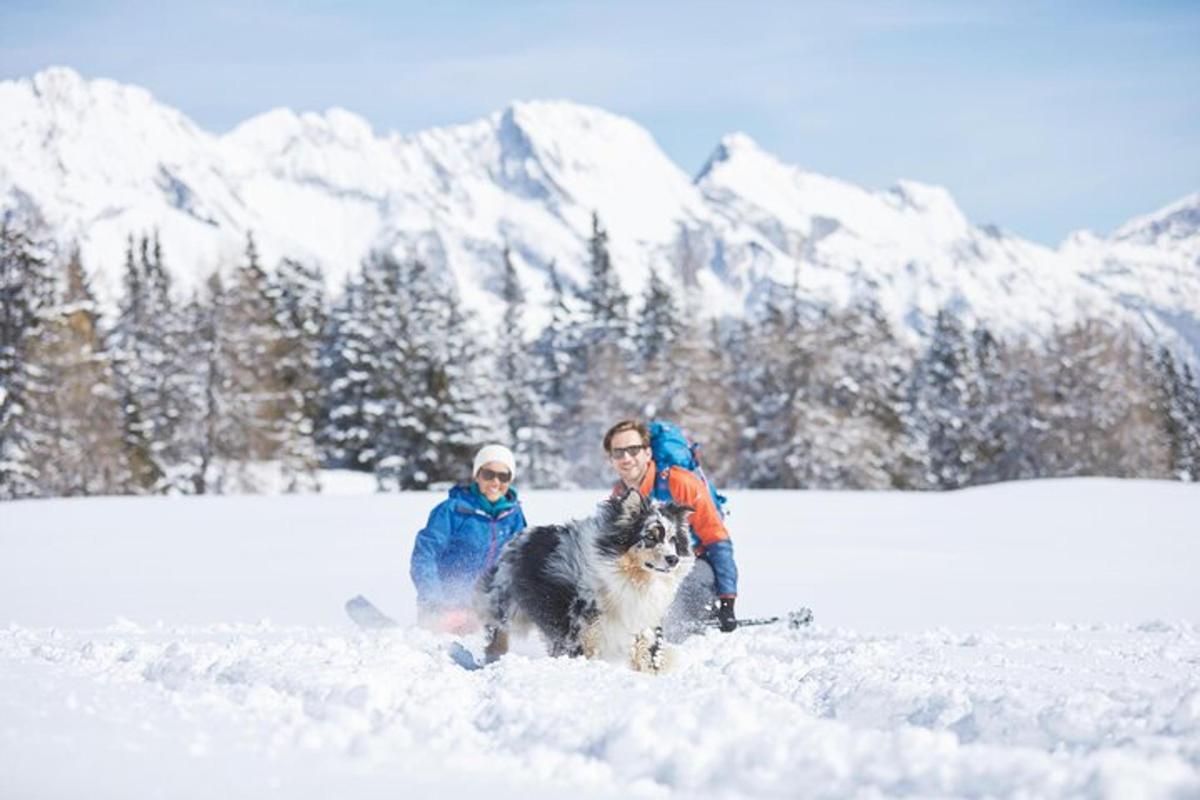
{"x": 683, "y": 514}
{"x": 629, "y": 507}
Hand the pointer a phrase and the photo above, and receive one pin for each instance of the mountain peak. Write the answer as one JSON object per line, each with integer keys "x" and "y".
{"x": 927, "y": 198}
{"x": 554, "y": 127}
{"x": 734, "y": 145}
{"x": 63, "y": 89}
{"x": 1171, "y": 224}
{"x": 272, "y": 131}
{"x": 58, "y": 81}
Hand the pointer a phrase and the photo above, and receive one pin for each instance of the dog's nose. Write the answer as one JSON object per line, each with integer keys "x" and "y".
{"x": 672, "y": 560}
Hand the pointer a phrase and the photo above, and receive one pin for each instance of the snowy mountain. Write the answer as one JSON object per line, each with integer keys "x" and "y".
{"x": 99, "y": 161}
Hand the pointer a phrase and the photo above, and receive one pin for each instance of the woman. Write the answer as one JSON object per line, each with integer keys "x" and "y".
{"x": 462, "y": 539}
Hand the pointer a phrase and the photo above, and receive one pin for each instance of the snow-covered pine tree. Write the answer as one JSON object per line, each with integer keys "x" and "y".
{"x": 350, "y": 375}
{"x": 404, "y": 399}
{"x": 858, "y": 378}
{"x": 772, "y": 405}
{"x": 248, "y": 339}
{"x": 1179, "y": 411}
{"x": 149, "y": 339}
{"x": 73, "y": 405}
{"x": 445, "y": 392}
{"x": 1095, "y": 393}
{"x": 209, "y": 437}
{"x": 559, "y": 372}
{"x": 386, "y": 416}
{"x": 705, "y": 399}
{"x": 659, "y": 375}
{"x": 1190, "y": 412}
{"x": 608, "y": 391}
{"x": 944, "y": 389}
{"x": 608, "y": 304}
{"x": 519, "y": 377}
{"x": 26, "y": 293}
{"x": 298, "y": 298}
{"x": 1007, "y": 416}
{"x": 680, "y": 373}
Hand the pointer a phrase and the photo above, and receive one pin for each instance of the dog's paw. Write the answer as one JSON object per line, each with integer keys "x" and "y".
{"x": 650, "y": 652}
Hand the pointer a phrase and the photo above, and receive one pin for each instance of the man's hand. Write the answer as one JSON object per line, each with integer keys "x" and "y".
{"x": 725, "y": 615}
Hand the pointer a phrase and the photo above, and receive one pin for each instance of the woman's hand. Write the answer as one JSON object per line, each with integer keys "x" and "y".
{"x": 459, "y": 621}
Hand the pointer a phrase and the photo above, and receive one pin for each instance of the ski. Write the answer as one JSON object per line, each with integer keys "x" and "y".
{"x": 366, "y": 615}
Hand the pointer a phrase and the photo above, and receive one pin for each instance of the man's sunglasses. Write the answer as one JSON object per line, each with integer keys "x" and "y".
{"x": 617, "y": 453}
{"x": 491, "y": 475}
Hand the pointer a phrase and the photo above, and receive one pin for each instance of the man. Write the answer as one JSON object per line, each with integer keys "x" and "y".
{"x": 715, "y": 575}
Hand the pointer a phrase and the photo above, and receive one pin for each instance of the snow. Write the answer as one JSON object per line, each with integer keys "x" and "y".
{"x": 1022, "y": 640}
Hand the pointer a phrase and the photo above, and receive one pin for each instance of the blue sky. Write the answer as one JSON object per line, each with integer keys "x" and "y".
{"x": 1039, "y": 117}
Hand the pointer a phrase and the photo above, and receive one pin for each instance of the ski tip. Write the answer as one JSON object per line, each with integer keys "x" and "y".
{"x": 463, "y": 657}
{"x": 799, "y": 618}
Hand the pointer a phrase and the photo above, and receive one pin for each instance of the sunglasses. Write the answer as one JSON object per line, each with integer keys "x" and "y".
{"x": 491, "y": 475}
{"x": 617, "y": 453}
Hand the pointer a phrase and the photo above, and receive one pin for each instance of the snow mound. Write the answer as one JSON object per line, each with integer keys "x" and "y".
{"x": 1034, "y": 712}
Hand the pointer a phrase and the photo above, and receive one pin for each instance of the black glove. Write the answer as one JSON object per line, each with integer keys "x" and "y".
{"x": 725, "y": 617}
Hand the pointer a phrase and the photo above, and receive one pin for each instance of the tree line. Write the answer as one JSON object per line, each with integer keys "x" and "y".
{"x": 261, "y": 377}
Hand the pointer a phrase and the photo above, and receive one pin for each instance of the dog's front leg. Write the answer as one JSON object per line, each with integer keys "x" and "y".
{"x": 650, "y": 652}
{"x": 497, "y": 643}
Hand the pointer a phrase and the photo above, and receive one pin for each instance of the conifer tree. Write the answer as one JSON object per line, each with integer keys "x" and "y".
{"x": 210, "y": 437}
{"x": 1179, "y": 404}
{"x": 558, "y": 377}
{"x": 660, "y": 368}
{"x": 527, "y": 417}
{"x": 350, "y": 376}
{"x": 444, "y": 392}
{"x": 149, "y": 339}
{"x": 608, "y": 386}
{"x": 773, "y": 409}
{"x": 26, "y": 293}
{"x": 1095, "y": 393}
{"x": 944, "y": 382}
{"x": 249, "y": 338}
{"x": 298, "y": 298}
{"x": 74, "y": 406}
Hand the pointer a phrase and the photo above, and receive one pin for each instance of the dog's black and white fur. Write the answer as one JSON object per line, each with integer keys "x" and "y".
{"x": 597, "y": 587}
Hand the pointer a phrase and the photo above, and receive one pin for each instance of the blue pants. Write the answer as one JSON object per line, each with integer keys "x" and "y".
{"x": 696, "y": 601}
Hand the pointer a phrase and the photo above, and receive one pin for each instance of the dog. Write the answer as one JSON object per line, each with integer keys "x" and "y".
{"x": 597, "y": 587}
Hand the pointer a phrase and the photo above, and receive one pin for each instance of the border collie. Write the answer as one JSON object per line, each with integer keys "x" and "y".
{"x": 597, "y": 587}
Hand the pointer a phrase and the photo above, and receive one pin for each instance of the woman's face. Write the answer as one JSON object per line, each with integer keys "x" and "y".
{"x": 493, "y": 479}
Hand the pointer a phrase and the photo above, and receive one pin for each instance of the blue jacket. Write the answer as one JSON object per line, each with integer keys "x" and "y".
{"x": 458, "y": 544}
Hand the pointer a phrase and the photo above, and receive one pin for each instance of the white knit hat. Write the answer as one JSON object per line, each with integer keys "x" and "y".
{"x": 495, "y": 452}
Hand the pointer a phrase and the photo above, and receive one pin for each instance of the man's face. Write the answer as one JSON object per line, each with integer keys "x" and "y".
{"x": 629, "y": 456}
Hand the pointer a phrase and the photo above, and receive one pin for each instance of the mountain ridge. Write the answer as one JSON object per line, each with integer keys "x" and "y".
{"x": 101, "y": 160}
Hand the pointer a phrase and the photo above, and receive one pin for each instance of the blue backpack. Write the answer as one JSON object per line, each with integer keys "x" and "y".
{"x": 671, "y": 448}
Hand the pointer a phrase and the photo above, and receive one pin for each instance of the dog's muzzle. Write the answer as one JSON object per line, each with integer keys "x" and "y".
{"x": 672, "y": 562}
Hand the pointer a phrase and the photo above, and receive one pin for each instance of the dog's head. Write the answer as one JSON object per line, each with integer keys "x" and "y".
{"x": 645, "y": 534}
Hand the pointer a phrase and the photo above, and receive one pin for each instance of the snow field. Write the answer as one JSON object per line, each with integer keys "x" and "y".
{"x": 1111, "y": 711}
{"x": 1026, "y": 640}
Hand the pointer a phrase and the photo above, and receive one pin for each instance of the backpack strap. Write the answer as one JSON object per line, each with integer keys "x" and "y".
{"x": 662, "y": 486}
